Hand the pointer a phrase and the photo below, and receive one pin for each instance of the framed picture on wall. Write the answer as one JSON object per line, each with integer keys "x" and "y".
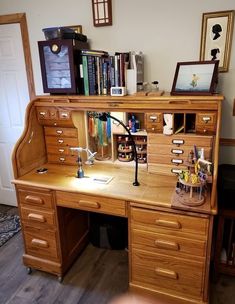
{"x": 216, "y": 37}
{"x": 195, "y": 78}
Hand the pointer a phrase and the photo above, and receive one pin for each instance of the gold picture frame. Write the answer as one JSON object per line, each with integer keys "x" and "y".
{"x": 77, "y": 28}
{"x": 216, "y": 37}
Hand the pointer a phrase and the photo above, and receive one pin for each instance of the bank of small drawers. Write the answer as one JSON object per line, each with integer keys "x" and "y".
{"x": 58, "y": 143}
{"x": 38, "y": 222}
{"x": 168, "y": 251}
{"x": 53, "y": 116}
{"x": 91, "y": 203}
{"x": 169, "y": 154}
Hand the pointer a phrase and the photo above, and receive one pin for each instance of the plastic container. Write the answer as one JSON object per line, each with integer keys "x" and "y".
{"x": 56, "y": 32}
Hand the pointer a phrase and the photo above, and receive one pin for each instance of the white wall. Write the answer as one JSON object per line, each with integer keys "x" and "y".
{"x": 166, "y": 31}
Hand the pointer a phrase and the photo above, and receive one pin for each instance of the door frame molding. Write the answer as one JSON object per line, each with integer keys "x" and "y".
{"x": 21, "y": 19}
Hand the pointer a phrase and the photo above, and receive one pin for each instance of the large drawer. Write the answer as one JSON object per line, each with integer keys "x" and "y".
{"x": 39, "y": 198}
{"x": 91, "y": 203}
{"x": 40, "y": 218}
{"x": 167, "y": 244}
{"x": 40, "y": 242}
{"x": 168, "y": 274}
{"x": 165, "y": 223}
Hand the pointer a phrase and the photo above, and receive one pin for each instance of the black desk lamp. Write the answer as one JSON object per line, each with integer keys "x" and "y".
{"x": 103, "y": 117}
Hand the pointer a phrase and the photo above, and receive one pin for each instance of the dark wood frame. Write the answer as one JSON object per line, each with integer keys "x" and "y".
{"x": 73, "y": 72}
{"x": 228, "y": 33}
{"x": 107, "y": 20}
{"x": 213, "y": 82}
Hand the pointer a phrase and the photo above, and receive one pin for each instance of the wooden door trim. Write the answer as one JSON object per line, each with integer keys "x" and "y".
{"x": 21, "y": 19}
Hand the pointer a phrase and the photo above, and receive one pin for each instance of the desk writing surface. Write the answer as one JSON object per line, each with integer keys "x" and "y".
{"x": 154, "y": 189}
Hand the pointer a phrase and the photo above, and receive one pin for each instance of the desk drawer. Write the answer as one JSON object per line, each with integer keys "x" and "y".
{"x": 62, "y": 159}
{"x": 40, "y": 242}
{"x": 180, "y": 140}
{"x": 61, "y": 141}
{"x": 57, "y": 131}
{"x": 163, "y": 222}
{"x": 91, "y": 203}
{"x": 167, "y": 244}
{"x": 168, "y": 274}
{"x": 38, "y": 217}
{"x": 39, "y": 198}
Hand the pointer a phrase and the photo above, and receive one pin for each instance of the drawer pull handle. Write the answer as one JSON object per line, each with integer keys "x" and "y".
{"x": 34, "y": 199}
{"x": 177, "y": 161}
{"x": 40, "y": 243}
{"x": 61, "y": 150}
{"x": 176, "y": 171}
{"x": 42, "y": 113}
{"x": 168, "y": 224}
{"x": 206, "y": 119}
{"x": 167, "y": 273}
{"x": 153, "y": 118}
{"x": 59, "y": 132}
{"x": 64, "y": 115}
{"x": 89, "y": 204}
{"x": 62, "y": 159}
{"x": 60, "y": 141}
{"x": 36, "y": 217}
{"x": 177, "y": 151}
{"x": 167, "y": 245}
{"x": 178, "y": 142}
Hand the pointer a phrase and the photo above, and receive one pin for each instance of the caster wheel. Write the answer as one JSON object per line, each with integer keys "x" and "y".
{"x": 60, "y": 279}
{"x": 29, "y": 270}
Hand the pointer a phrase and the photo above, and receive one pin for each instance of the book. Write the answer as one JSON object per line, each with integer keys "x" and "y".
{"x": 85, "y": 75}
{"x": 94, "y": 52}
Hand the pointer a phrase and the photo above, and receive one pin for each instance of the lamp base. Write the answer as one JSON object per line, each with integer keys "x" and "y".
{"x": 136, "y": 183}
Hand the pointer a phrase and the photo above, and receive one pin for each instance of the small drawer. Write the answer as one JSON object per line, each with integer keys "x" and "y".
{"x": 61, "y": 141}
{"x": 180, "y": 140}
{"x": 167, "y": 244}
{"x": 206, "y": 118}
{"x": 91, "y": 203}
{"x": 60, "y": 132}
{"x": 205, "y": 129}
{"x": 62, "y": 159}
{"x": 167, "y": 159}
{"x": 153, "y": 118}
{"x": 39, "y": 198}
{"x": 154, "y": 128}
{"x": 64, "y": 114}
{"x": 164, "y": 222}
{"x": 40, "y": 242}
{"x": 165, "y": 169}
{"x": 60, "y": 150}
{"x": 38, "y": 217}
{"x": 43, "y": 113}
{"x": 182, "y": 277}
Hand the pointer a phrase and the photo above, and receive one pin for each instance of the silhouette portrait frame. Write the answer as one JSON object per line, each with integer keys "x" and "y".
{"x": 216, "y": 37}
{"x": 195, "y": 78}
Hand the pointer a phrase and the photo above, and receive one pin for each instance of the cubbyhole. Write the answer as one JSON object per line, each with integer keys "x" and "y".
{"x": 179, "y": 123}
{"x": 190, "y": 124}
